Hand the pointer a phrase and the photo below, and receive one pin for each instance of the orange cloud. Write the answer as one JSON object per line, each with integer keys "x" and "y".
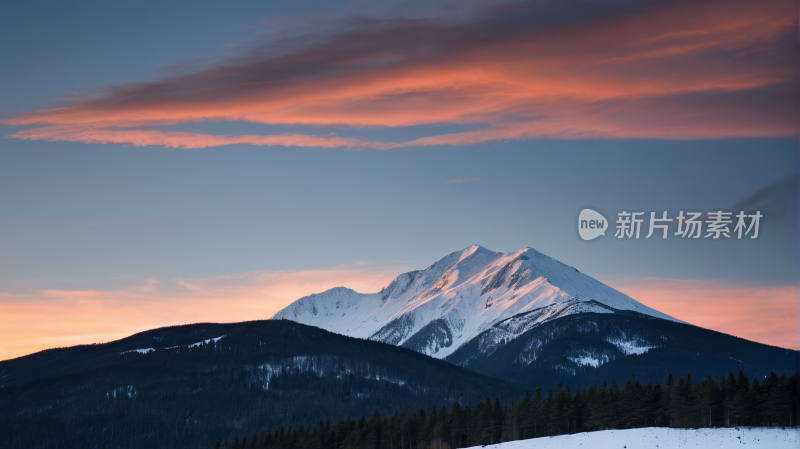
{"x": 681, "y": 70}
{"x": 189, "y": 140}
{"x": 759, "y": 313}
{"x": 57, "y": 318}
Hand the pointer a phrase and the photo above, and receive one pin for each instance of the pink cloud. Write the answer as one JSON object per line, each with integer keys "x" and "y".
{"x": 188, "y": 140}
{"x": 683, "y": 70}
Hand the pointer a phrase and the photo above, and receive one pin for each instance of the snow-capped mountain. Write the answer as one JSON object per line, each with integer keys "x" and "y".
{"x": 441, "y": 308}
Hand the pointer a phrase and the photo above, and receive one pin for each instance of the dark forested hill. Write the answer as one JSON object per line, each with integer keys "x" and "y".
{"x": 161, "y": 388}
{"x": 592, "y": 348}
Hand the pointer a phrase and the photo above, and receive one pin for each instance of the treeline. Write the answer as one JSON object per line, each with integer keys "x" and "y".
{"x": 260, "y": 375}
{"x": 734, "y": 401}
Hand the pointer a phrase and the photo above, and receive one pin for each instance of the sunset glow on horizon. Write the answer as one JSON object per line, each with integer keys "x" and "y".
{"x": 59, "y": 318}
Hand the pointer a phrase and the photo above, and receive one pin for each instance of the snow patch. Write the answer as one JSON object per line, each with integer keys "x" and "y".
{"x": 146, "y": 350}
{"x": 631, "y": 347}
{"x": 664, "y": 438}
{"x": 140, "y": 351}
{"x": 586, "y": 361}
{"x": 206, "y": 341}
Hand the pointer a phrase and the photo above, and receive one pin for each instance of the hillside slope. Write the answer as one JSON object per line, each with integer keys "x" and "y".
{"x": 594, "y": 348}
{"x": 161, "y": 388}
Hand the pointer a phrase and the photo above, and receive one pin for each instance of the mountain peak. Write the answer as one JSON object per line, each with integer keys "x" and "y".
{"x": 473, "y": 248}
{"x": 466, "y": 252}
{"x": 437, "y": 309}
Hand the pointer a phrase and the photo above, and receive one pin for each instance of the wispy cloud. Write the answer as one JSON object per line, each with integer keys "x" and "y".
{"x": 777, "y": 201}
{"x": 678, "y": 70}
{"x": 463, "y": 180}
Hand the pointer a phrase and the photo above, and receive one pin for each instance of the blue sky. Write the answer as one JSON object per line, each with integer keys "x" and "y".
{"x": 75, "y": 210}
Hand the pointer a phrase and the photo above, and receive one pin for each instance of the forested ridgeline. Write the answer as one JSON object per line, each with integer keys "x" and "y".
{"x": 735, "y": 401}
{"x": 593, "y": 348}
{"x": 254, "y": 375}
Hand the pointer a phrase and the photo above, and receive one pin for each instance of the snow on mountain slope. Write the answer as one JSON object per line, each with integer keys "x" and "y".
{"x": 438, "y": 309}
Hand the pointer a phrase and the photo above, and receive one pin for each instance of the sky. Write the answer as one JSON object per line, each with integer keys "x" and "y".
{"x": 173, "y": 163}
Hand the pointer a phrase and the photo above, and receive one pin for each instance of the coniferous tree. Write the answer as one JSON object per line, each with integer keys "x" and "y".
{"x": 688, "y": 404}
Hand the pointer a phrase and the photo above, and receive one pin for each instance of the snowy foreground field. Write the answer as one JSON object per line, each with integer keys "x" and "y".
{"x": 655, "y": 437}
